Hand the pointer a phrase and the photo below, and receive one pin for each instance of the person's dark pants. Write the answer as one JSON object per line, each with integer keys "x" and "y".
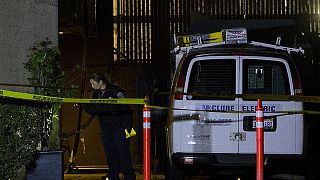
{"x": 116, "y": 147}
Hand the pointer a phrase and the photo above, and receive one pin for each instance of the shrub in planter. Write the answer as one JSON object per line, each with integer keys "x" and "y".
{"x": 29, "y": 127}
{"x": 21, "y": 132}
{"x": 49, "y": 80}
{"x": 45, "y": 71}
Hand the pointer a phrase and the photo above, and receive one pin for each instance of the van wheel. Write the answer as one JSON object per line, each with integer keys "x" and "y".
{"x": 174, "y": 173}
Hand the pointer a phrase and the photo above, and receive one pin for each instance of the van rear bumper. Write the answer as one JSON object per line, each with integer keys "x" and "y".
{"x": 224, "y": 160}
{"x": 182, "y": 159}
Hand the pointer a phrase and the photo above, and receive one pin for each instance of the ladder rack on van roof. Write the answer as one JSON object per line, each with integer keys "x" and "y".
{"x": 227, "y": 36}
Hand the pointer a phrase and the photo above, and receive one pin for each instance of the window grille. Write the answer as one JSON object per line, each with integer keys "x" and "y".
{"x": 210, "y": 77}
{"x": 132, "y": 30}
{"x": 265, "y": 77}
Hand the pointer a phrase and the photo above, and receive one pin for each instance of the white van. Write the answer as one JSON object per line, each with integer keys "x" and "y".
{"x": 211, "y": 125}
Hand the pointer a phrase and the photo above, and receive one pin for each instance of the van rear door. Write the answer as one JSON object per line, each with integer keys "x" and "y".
{"x": 210, "y": 133}
{"x": 283, "y": 133}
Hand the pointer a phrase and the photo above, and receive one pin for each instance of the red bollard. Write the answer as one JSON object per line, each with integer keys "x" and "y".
{"x": 146, "y": 141}
{"x": 259, "y": 141}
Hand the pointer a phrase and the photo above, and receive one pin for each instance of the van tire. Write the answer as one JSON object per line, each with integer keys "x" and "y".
{"x": 174, "y": 173}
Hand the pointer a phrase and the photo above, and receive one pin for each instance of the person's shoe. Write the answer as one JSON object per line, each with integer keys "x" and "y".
{"x": 104, "y": 178}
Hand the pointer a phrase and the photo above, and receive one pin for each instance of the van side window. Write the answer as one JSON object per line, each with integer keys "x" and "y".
{"x": 265, "y": 77}
{"x": 209, "y": 77}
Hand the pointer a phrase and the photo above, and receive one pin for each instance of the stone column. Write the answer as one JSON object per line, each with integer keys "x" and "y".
{"x": 22, "y": 23}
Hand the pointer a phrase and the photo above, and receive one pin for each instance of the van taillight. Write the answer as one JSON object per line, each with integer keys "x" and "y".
{"x": 179, "y": 89}
{"x": 297, "y": 85}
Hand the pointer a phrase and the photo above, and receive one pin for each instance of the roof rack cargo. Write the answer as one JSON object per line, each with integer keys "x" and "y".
{"x": 183, "y": 44}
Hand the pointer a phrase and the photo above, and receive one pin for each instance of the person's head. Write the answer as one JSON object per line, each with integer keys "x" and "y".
{"x": 99, "y": 81}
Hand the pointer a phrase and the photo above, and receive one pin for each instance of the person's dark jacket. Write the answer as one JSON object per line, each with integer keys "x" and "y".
{"x": 113, "y": 115}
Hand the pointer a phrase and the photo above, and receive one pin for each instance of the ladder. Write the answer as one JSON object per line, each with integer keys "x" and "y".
{"x": 227, "y": 36}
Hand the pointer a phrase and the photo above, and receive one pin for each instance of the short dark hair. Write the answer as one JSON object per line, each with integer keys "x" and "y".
{"x": 101, "y": 77}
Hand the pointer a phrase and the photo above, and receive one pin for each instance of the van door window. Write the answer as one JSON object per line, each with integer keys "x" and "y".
{"x": 210, "y": 77}
{"x": 265, "y": 77}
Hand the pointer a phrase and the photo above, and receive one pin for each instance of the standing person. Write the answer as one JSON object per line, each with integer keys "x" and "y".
{"x": 114, "y": 119}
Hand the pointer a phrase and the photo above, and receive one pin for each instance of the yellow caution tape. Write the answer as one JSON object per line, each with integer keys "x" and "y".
{"x": 49, "y": 99}
{"x": 157, "y": 107}
{"x": 34, "y": 97}
{"x": 265, "y": 97}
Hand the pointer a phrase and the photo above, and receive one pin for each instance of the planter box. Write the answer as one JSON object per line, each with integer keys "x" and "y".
{"x": 48, "y": 166}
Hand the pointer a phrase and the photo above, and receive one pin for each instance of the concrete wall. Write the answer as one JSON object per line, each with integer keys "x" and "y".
{"x": 22, "y": 23}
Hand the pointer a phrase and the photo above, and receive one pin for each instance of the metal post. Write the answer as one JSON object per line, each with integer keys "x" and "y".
{"x": 146, "y": 141}
{"x": 259, "y": 141}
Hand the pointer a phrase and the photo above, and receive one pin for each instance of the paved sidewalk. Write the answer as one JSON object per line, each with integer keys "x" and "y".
{"x": 97, "y": 176}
